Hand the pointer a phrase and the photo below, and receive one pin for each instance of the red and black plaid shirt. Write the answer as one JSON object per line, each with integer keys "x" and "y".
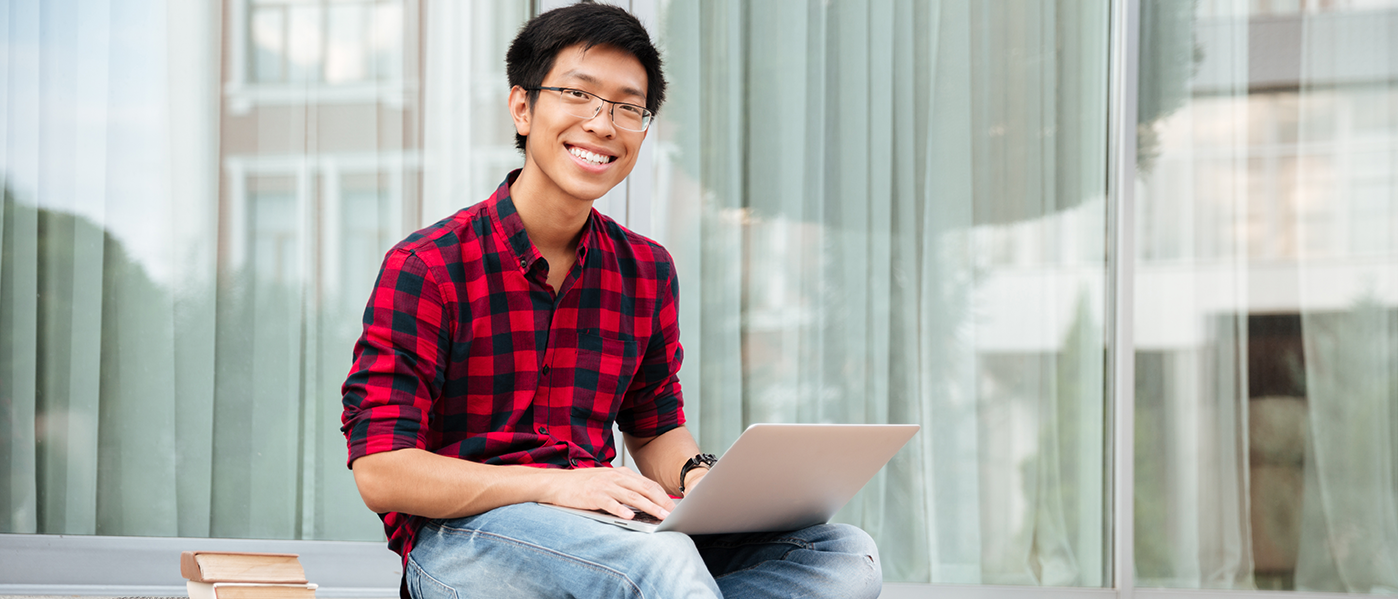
{"x": 467, "y": 351}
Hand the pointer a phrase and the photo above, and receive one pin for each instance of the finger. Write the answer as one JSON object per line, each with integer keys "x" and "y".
{"x": 651, "y": 490}
{"x": 618, "y": 509}
{"x": 645, "y": 504}
{"x": 655, "y": 494}
{"x": 595, "y": 489}
{"x": 630, "y": 492}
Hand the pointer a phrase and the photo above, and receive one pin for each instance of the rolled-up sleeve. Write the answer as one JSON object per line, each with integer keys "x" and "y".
{"x": 399, "y": 360}
{"x": 654, "y": 402}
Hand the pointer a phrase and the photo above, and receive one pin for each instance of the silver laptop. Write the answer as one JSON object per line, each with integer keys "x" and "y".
{"x": 779, "y": 477}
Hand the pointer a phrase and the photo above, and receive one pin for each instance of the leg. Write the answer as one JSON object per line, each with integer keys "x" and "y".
{"x": 828, "y": 560}
{"x": 528, "y": 550}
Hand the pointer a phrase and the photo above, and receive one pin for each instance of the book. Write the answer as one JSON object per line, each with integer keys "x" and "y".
{"x": 249, "y": 590}
{"x": 225, "y": 566}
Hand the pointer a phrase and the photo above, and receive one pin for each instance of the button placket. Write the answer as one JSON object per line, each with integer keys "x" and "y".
{"x": 544, "y": 410}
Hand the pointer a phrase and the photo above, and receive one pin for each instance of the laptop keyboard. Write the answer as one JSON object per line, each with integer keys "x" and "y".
{"x": 642, "y": 516}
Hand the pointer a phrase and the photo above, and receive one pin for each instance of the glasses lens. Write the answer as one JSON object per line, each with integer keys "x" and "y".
{"x": 585, "y": 105}
{"x": 631, "y": 117}
{"x": 580, "y": 103}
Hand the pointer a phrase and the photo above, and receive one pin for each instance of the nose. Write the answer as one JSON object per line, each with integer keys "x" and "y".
{"x": 601, "y": 122}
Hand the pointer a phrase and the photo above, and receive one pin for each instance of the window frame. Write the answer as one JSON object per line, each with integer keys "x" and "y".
{"x": 242, "y": 91}
{"x": 128, "y": 566}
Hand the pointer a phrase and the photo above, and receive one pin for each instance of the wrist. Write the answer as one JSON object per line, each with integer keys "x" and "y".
{"x": 691, "y": 476}
{"x": 702, "y": 460}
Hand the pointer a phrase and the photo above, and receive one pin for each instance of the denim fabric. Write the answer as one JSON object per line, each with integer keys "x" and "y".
{"x": 528, "y": 550}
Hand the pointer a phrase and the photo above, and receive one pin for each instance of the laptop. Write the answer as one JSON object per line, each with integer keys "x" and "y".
{"x": 778, "y": 477}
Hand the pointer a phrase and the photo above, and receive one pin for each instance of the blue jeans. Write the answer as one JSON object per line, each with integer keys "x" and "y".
{"x": 528, "y": 550}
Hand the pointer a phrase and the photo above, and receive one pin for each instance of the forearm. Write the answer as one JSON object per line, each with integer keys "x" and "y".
{"x": 418, "y": 482}
{"x": 660, "y": 458}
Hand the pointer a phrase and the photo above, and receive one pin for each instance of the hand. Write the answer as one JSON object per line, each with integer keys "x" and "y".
{"x": 692, "y": 478}
{"x": 610, "y": 490}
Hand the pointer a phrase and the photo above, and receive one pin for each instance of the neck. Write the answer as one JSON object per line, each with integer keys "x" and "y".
{"x": 553, "y": 219}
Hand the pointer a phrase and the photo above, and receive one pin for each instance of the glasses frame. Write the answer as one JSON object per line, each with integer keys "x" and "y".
{"x": 646, "y": 115}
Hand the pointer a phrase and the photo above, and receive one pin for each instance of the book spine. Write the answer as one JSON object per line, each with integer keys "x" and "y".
{"x": 189, "y": 567}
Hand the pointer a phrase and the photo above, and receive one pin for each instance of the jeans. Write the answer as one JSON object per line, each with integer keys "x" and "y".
{"x": 528, "y": 550}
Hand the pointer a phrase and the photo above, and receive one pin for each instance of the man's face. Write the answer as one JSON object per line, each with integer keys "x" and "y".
{"x": 583, "y": 158}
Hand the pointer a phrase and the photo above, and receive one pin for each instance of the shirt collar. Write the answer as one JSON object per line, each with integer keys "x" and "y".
{"x": 512, "y": 226}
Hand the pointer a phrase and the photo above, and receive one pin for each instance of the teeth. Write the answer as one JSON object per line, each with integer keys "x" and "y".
{"x": 589, "y": 156}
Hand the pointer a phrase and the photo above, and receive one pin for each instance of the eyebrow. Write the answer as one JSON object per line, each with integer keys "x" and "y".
{"x": 586, "y": 78}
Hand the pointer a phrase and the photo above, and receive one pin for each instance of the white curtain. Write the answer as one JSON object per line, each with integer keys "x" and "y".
{"x": 1192, "y": 290}
{"x": 197, "y": 197}
{"x": 469, "y": 146}
{"x": 1267, "y": 280}
{"x": 107, "y": 283}
{"x": 1348, "y": 267}
{"x": 893, "y": 212}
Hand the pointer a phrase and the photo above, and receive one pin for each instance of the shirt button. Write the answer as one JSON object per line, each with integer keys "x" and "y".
{"x": 523, "y": 261}
{"x": 572, "y": 461}
{"x": 544, "y": 370}
{"x": 543, "y": 430}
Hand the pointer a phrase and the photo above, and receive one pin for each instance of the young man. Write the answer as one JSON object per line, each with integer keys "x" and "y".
{"x": 501, "y": 345}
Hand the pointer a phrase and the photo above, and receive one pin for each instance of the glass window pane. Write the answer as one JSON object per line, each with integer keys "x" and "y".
{"x": 386, "y": 42}
{"x": 347, "y": 43}
{"x": 1267, "y": 297}
{"x": 269, "y": 44}
{"x": 184, "y": 262}
{"x": 305, "y": 45}
{"x": 276, "y": 225}
{"x": 895, "y": 212}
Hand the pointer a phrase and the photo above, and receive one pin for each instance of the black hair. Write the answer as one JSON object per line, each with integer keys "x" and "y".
{"x": 532, "y": 53}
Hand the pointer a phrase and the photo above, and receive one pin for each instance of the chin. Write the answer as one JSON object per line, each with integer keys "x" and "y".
{"x": 592, "y": 191}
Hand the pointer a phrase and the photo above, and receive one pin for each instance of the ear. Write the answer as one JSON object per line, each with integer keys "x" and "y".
{"x": 520, "y": 110}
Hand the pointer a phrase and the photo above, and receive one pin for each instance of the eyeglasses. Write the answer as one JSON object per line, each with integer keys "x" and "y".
{"x": 587, "y": 105}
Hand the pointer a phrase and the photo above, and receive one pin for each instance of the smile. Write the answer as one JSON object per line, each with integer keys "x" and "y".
{"x": 590, "y": 157}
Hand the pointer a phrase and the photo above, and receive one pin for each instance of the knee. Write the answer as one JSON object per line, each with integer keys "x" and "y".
{"x": 668, "y": 565}
{"x": 665, "y": 550}
{"x": 861, "y": 570}
{"x": 846, "y": 538}
{"x": 668, "y": 552}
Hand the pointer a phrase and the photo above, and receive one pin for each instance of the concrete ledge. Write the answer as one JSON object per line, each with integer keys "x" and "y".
{"x": 50, "y": 565}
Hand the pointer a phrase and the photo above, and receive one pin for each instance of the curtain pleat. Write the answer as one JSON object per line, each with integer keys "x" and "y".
{"x": 196, "y": 197}
{"x": 1348, "y": 538}
{"x": 856, "y": 165}
{"x": 1265, "y": 377}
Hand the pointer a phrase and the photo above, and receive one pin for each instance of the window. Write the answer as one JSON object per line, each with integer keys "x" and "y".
{"x": 330, "y": 42}
{"x": 895, "y": 212}
{"x": 183, "y": 276}
{"x": 881, "y": 212}
{"x": 1267, "y": 286}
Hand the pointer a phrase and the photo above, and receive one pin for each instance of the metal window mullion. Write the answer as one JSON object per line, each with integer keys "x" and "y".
{"x": 640, "y": 185}
{"x": 1123, "y": 87}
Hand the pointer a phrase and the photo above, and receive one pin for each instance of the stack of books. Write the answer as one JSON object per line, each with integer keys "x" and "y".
{"x": 229, "y": 575}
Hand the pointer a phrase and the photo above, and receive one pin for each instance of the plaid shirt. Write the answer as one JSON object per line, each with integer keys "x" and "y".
{"x": 468, "y": 352}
